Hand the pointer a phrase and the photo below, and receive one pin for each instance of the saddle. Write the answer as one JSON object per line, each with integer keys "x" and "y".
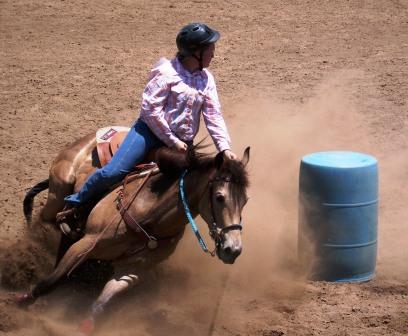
{"x": 108, "y": 141}
{"x": 72, "y": 220}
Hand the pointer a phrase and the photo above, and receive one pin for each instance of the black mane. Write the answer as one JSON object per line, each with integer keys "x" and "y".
{"x": 173, "y": 163}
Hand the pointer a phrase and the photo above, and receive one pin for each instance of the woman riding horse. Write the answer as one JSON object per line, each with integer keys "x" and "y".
{"x": 177, "y": 93}
{"x": 214, "y": 187}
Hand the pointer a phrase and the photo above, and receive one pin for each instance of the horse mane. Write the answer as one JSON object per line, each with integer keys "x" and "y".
{"x": 172, "y": 163}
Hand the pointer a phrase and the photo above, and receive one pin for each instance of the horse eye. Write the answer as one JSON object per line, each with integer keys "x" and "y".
{"x": 220, "y": 198}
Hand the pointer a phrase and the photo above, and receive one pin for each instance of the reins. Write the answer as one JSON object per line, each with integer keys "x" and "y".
{"x": 190, "y": 217}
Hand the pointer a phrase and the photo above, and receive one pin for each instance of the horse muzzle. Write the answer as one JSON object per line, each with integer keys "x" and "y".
{"x": 228, "y": 254}
{"x": 229, "y": 245}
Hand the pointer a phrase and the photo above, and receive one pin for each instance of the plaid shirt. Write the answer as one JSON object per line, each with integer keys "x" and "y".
{"x": 174, "y": 99}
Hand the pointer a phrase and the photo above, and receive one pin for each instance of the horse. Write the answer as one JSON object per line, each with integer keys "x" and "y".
{"x": 196, "y": 184}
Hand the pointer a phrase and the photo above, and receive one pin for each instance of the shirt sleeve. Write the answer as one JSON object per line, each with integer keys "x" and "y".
{"x": 213, "y": 119}
{"x": 152, "y": 110}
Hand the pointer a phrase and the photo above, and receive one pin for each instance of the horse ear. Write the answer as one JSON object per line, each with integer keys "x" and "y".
{"x": 245, "y": 157}
{"x": 219, "y": 160}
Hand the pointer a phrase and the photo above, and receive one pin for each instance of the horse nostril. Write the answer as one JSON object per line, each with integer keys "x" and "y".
{"x": 238, "y": 251}
{"x": 232, "y": 251}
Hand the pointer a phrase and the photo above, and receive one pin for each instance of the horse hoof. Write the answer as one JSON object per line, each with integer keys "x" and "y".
{"x": 24, "y": 300}
{"x": 85, "y": 328}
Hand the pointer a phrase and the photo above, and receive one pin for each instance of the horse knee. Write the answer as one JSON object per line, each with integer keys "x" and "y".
{"x": 116, "y": 286}
{"x": 121, "y": 284}
{"x": 130, "y": 279}
{"x": 112, "y": 288}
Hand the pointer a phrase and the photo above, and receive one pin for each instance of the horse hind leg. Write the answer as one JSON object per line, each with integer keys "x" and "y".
{"x": 62, "y": 182}
{"x": 75, "y": 255}
{"x": 67, "y": 174}
{"x": 58, "y": 190}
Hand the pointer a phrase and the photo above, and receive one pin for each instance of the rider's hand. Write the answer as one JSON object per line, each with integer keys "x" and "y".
{"x": 229, "y": 155}
{"x": 180, "y": 146}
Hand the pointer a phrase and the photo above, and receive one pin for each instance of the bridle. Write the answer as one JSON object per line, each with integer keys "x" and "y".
{"x": 217, "y": 233}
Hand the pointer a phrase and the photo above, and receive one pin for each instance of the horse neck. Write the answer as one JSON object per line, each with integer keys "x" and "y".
{"x": 195, "y": 184}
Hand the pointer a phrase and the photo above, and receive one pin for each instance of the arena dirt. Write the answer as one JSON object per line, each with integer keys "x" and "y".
{"x": 293, "y": 78}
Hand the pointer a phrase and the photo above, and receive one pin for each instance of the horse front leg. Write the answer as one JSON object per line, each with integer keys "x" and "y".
{"x": 119, "y": 283}
{"x": 75, "y": 255}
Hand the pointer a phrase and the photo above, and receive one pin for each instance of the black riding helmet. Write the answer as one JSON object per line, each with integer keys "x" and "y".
{"x": 193, "y": 37}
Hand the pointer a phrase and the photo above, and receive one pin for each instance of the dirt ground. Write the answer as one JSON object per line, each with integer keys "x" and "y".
{"x": 294, "y": 77}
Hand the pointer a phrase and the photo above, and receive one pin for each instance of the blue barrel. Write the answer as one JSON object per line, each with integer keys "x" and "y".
{"x": 338, "y": 215}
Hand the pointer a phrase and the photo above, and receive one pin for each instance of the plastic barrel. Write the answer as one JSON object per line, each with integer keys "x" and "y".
{"x": 338, "y": 215}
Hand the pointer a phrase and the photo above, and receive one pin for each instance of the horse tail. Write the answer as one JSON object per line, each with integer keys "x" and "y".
{"x": 29, "y": 197}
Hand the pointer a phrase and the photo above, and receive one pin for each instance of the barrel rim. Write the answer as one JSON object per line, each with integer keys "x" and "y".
{"x": 339, "y": 159}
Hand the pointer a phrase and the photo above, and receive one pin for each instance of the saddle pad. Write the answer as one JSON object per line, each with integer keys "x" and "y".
{"x": 108, "y": 140}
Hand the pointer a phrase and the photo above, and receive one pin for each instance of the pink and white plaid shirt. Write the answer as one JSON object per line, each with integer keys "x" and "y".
{"x": 173, "y": 100}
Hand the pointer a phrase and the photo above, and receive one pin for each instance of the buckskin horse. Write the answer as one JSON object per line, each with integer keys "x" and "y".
{"x": 153, "y": 222}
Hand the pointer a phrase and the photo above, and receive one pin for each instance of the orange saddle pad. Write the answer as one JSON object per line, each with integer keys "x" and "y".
{"x": 108, "y": 141}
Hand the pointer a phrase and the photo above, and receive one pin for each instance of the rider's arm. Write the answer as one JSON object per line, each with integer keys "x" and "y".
{"x": 213, "y": 118}
{"x": 152, "y": 111}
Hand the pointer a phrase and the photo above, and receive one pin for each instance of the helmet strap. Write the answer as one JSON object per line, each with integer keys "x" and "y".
{"x": 200, "y": 59}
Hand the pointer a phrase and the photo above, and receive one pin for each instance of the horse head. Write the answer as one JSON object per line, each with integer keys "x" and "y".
{"x": 220, "y": 187}
{"x": 222, "y": 204}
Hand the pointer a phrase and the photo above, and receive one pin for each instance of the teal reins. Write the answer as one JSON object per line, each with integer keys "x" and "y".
{"x": 190, "y": 217}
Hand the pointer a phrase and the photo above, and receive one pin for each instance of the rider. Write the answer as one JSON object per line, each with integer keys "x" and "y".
{"x": 178, "y": 91}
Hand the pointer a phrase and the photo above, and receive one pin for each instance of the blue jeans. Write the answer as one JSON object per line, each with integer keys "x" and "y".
{"x": 139, "y": 141}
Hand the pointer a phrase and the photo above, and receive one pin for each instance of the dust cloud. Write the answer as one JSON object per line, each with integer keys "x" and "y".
{"x": 280, "y": 134}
